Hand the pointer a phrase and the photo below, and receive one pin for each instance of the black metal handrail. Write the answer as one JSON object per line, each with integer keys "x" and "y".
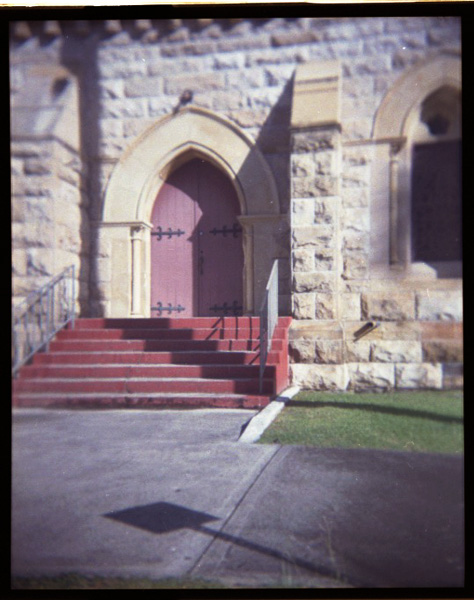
{"x": 268, "y": 319}
{"x": 41, "y": 315}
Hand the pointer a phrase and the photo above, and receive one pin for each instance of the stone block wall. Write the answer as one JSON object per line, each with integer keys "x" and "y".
{"x": 50, "y": 225}
{"x": 133, "y": 73}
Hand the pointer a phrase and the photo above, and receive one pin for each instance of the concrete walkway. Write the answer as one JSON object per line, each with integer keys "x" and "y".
{"x": 173, "y": 493}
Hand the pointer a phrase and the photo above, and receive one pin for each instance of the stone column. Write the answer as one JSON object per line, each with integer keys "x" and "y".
{"x": 315, "y": 160}
{"x": 394, "y": 254}
{"x": 136, "y": 240}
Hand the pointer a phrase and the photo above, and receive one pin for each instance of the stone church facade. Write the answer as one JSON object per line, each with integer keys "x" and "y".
{"x": 340, "y": 138}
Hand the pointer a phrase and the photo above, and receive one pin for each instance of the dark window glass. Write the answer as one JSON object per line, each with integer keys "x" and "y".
{"x": 436, "y": 202}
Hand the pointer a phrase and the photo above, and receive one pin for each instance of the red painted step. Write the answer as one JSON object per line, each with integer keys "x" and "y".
{"x": 154, "y": 345}
{"x": 94, "y": 371}
{"x": 155, "y": 363}
{"x": 55, "y": 400}
{"x": 162, "y": 334}
{"x": 142, "y": 385}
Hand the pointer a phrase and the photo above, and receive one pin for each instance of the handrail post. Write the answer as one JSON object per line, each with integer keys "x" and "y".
{"x": 268, "y": 319}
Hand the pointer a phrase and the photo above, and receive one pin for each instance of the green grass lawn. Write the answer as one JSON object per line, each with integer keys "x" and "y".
{"x": 421, "y": 421}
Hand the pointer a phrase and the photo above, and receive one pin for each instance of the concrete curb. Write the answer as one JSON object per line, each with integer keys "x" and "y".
{"x": 263, "y": 419}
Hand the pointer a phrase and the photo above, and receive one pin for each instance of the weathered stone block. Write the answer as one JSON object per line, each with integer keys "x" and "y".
{"x": 303, "y": 260}
{"x": 34, "y": 166}
{"x": 443, "y": 351}
{"x": 321, "y": 236}
{"x": 200, "y": 82}
{"x": 34, "y": 185}
{"x": 324, "y": 162}
{"x": 304, "y": 306}
{"x": 324, "y": 211}
{"x": 441, "y": 330}
{"x": 113, "y": 88}
{"x": 355, "y": 219}
{"x": 286, "y": 38}
{"x": 453, "y": 376}
{"x": 302, "y": 165}
{"x": 415, "y": 376}
{"x": 139, "y": 87}
{"x": 350, "y": 306}
{"x": 315, "y": 141}
{"x": 303, "y": 212}
{"x": 224, "y": 101}
{"x": 130, "y": 108}
{"x": 311, "y": 282}
{"x": 371, "y": 377}
{"x": 354, "y": 197}
{"x": 319, "y": 377}
{"x": 329, "y": 351}
{"x": 249, "y": 118}
{"x": 439, "y": 306}
{"x": 392, "y": 351}
{"x": 357, "y": 351}
{"x": 311, "y": 187}
{"x": 111, "y": 128}
{"x": 40, "y": 261}
{"x": 355, "y": 265}
{"x": 19, "y": 261}
{"x": 302, "y": 350}
{"x": 324, "y": 260}
{"x": 325, "y": 306}
{"x": 388, "y": 306}
{"x": 113, "y": 69}
{"x": 316, "y": 329}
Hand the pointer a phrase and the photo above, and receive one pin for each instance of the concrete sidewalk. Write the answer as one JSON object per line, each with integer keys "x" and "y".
{"x": 172, "y": 494}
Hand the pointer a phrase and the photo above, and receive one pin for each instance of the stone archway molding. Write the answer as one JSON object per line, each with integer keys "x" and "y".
{"x": 393, "y": 128}
{"x": 411, "y": 89}
{"x": 136, "y": 181}
{"x": 137, "y": 177}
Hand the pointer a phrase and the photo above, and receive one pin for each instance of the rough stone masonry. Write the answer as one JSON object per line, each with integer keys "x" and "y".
{"x": 310, "y": 95}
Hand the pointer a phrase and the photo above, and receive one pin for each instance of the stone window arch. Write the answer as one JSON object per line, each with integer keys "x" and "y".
{"x": 414, "y": 202}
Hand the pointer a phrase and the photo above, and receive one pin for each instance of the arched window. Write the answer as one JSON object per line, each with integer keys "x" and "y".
{"x": 416, "y": 193}
{"x": 436, "y": 183}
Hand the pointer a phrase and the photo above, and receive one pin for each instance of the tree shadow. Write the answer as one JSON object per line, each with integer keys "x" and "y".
{"x": 391, "y": 410}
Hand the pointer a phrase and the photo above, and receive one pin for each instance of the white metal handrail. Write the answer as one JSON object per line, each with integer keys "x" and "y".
{"x": 41, "y": 315}
{"x": 268, "y": 319}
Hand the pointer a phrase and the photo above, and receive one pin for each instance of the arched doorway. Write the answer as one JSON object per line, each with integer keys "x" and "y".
{"x": 196, "y": 245}
{"x": 124, "y": 230}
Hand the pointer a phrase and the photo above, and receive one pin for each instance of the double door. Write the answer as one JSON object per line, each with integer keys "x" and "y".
{"x": 196, "y": 245}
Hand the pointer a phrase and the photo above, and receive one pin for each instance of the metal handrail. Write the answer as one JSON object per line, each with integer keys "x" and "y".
{"x": 41, "y": 315}
{"x": 268, "y": 319}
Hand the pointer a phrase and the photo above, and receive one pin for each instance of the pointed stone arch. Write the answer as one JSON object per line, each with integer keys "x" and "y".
{"x": 395, "y": 112}
{"x": 139, "y": 173}
{"x": 138, "y": 176}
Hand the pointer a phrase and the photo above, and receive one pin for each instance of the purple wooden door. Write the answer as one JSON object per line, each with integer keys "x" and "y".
{"x": 196, "y": 254}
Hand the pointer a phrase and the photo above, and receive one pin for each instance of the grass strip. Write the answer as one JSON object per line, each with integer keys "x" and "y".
{"x": 419, "y": 421}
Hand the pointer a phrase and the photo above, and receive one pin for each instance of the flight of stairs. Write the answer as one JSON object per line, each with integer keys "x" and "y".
{"x": 144, "y": 363}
